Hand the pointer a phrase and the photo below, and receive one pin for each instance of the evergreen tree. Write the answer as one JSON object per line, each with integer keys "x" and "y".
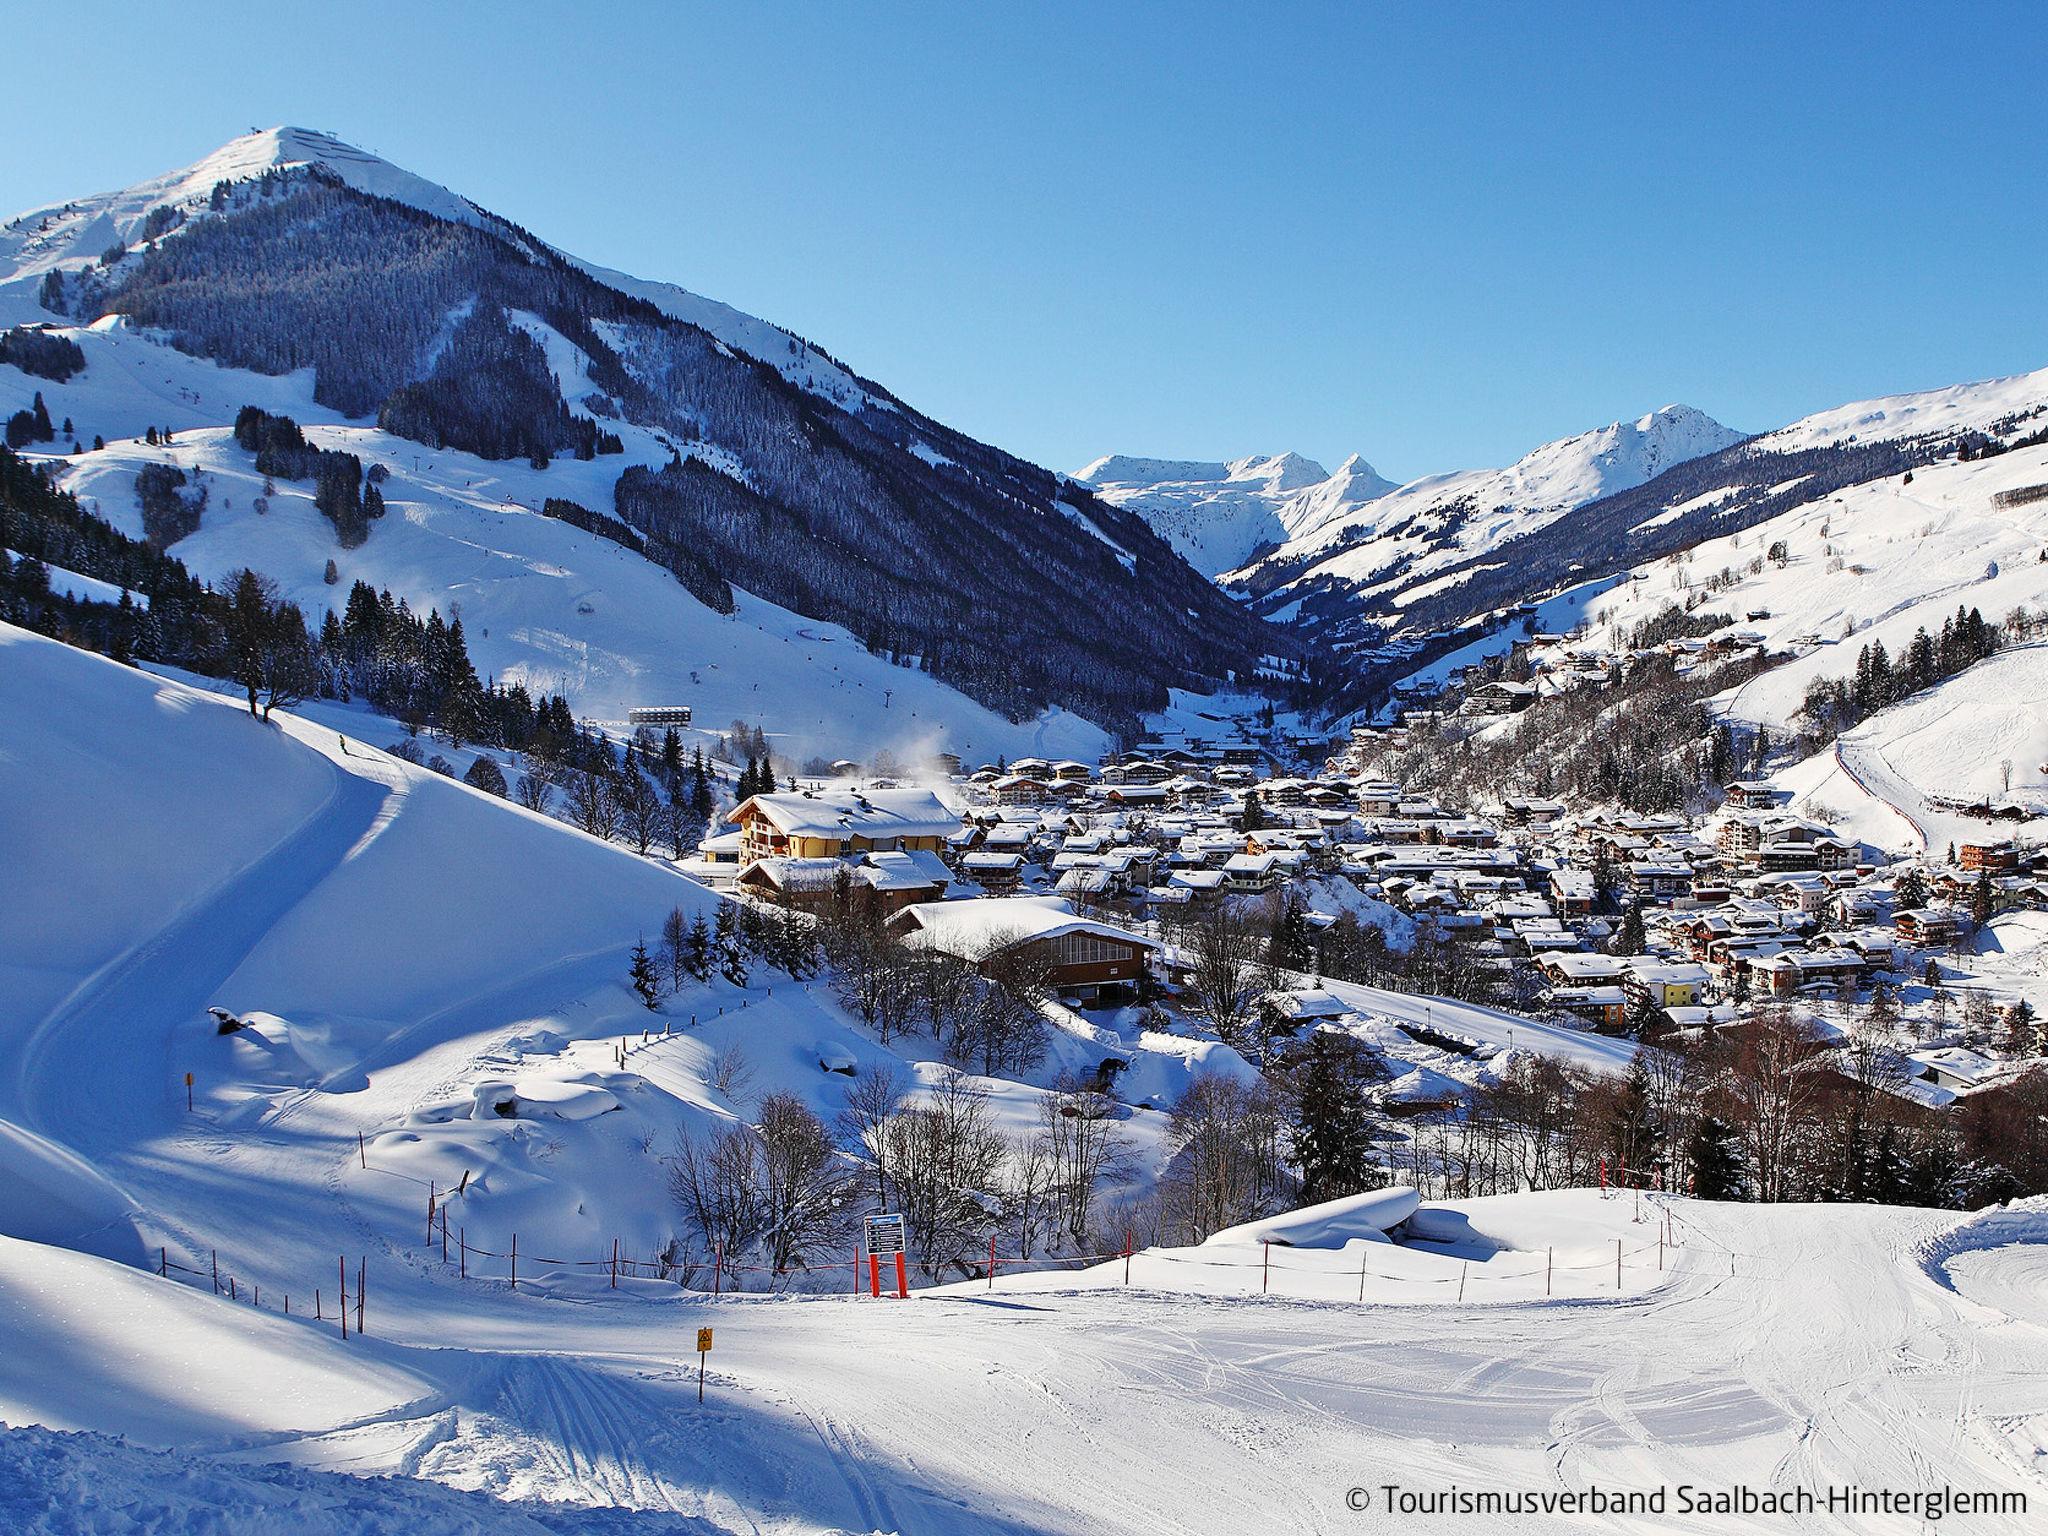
{"x": 1630, "y": 937}
{"x": 1332, "y": 1138}
{"x": 1253, "y": 817}
{"x": 1981, "y": 900}
{"x": 730, "y": 952}
{"x": 697, "y": 949}
{"x": 1715, "y": 1153}
{"x": 645, "y": 981}
{"x": 1288, "y": 946}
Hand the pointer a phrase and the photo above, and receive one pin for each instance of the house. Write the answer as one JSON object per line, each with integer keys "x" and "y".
{"x": 1579, "y": 968}
{"x": 1018, "y": 789}
{"x": 1957, "y": 1067}
{"x": 1500, "y": 698}
{"x": 1666, "y": 984}
{"x": 1654, "y": 881}
{"x": 1928, "y": 927}
{"x": 1251, "y": 873}
{"x": 1999, "y": 858}
{"x": 901, "y": 879}
{"x": 1601, "y": 1007}
{"x": 1749, "y": 795}
{"x": 1574, "y": 891}
{"x": 805, "y": 885}
{"x": 1078, "y": 956}
{"x": 840, "y": 824}
{"x": 996, "y": 873}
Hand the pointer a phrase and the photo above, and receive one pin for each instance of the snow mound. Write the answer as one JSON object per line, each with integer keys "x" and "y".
{"x": 1364, "y": 1217}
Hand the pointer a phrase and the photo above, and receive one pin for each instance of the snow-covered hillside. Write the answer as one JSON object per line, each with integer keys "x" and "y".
{"x": 1217, "y": 516}
{"x": 558, "y": 608}
{"x": 1397, "y": 540}
{"x": 441, "y": 974}
{"x": 47, "y": 239}
{"x": 543, "y": 602}
{"x": 1873, "y": 564}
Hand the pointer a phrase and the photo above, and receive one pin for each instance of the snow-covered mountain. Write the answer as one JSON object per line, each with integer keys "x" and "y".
{"x": 1220, "y": 515}
{"x": 490, "y": 374}
{"x": 1397, "y": 540}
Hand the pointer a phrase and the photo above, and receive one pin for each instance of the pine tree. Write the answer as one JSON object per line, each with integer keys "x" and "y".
{"x": 1715, "y": 1153}
{"x": 1332, "y": 1140}
{"x": 1630, "y": 937}
{"x": 697, "y": 949}
{"x": 1253, "y": 817}
{"x": 1981, "y": 900}
{"x": 725, "y": 941}
{"x": 645, "y": 981}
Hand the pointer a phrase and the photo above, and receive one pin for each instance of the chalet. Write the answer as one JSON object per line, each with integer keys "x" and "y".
{"x": 1664, "y": 983}
{"x": 841, "y": 824}
{"x": 902, "y": 879}
{"x": 1073, "y": 770}
{"x": 1574, "y": 892}
{"x": 1078, "y": 956}
{"x": 806, "y": 885}
{"x": 996, "y": 873}
{"x": 1928, "y": 927}
{"x": 1957, "y": 1068}
{"x": 1999, "y": 858}
{"x": 1520, "y": 811}
{"x": 1651, "y": 881}
{"x": 1747, "y": 794}
{"x": 1575, "y": 968}
{"x": 1018, "y": 789}
{"x": 1794, "y": 970}
{"x": 1500, "y": 698}
{"x": 1251, "y": 873}
{"x": 1601, "y": 1007}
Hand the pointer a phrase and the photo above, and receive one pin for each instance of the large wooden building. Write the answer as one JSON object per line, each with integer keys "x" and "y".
{"x": 1077, "y": 955}
{"x": 843, "y": 824}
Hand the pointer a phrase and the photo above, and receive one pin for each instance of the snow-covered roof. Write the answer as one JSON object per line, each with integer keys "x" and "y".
{"x": 972, "y": 929}
{"x": 841, "y": 813}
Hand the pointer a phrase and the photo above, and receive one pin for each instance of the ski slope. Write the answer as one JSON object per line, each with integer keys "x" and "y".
{"x": 407, "y": 951}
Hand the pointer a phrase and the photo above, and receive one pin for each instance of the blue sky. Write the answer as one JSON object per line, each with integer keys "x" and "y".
{"x": 1436, "y": 235}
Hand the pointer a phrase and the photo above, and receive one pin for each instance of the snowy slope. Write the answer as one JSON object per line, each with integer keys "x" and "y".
{"x": 1875, "y": 563}
{"x": 1217, "y": 516}
{"x": 1403, "y": 536}
{"x": 542, "y": 602}
{"x": 408, "y": 951}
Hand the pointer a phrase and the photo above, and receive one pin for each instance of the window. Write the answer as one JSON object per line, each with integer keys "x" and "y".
{"x": 1087, "y": 949}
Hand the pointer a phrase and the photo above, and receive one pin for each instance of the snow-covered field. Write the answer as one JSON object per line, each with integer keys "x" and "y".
{"x": 410, "y": 954}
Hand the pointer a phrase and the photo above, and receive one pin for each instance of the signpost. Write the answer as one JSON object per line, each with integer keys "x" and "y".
{"x": 885, "y": 1236}
{"x": 703, "y": 1349}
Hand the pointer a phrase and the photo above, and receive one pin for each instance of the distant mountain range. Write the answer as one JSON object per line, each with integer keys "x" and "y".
{"x": 634, "y": 492}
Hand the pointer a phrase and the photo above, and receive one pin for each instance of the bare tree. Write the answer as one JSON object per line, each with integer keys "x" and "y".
{"x": 593, "y": 805}
{"x": 946, "y": 1156}
{"x": 1228, "y": 951}
{"x": 804, "y": 1189}
{"x": 1085, "y": 1146}
{"x": 716, "y": 1180}
{"x": 536, "y": 789}
{"x": 872, "y": 1101}
{"x": 1227, "y": 1165}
